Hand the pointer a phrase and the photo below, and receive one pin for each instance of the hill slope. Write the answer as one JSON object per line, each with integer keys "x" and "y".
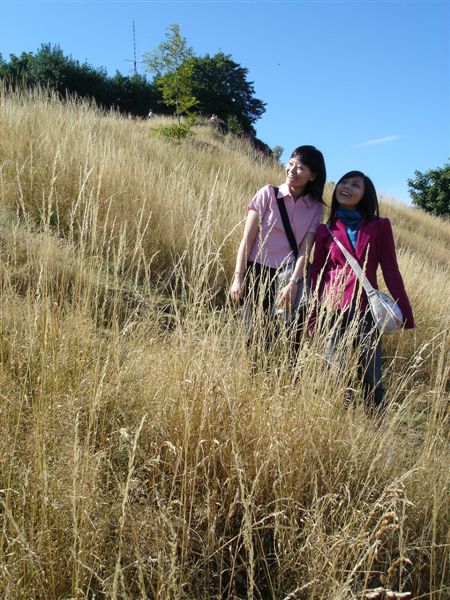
{"x": 138, "y": 457}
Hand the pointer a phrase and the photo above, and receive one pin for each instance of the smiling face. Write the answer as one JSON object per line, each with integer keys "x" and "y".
{"x": 349, "y": 192}
{"x": 297, "y": 176}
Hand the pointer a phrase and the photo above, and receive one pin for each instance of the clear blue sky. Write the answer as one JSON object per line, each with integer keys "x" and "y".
{"x": 367, "y": 82}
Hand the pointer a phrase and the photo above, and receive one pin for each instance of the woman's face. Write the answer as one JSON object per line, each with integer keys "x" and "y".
{"x": 349, "y": 192}
{"x": 298, "y": 175}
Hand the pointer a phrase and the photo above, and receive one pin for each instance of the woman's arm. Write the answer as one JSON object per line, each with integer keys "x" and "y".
{"x": 287, "y": 295}
{"x": 392, "y": 275}
{"x": 317, "y": 276}
{"x": 248, "y": 239}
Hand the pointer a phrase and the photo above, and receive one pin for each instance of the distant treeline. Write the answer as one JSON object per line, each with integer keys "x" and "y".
{"x": 219, "y": 84}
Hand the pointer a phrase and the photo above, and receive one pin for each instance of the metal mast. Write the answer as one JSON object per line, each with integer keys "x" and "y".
{"x": 134, "y": 49}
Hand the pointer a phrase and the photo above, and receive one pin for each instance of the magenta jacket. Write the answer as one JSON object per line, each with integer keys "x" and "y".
{"x": 374, "y": 246}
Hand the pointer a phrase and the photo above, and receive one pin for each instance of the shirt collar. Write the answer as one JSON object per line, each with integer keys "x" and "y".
{"x": 283, "y": 190}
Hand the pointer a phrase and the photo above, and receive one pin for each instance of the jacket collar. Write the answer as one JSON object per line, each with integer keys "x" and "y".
{"x": 362, "y": 240}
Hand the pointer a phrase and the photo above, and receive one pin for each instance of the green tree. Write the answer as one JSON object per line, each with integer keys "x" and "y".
{"x": 221, "y": 87}
{"x": 135, "y": 95}
{"x": 49, "y": 67}
{"x": 172, "y": 64}
{"x": 18, "y": 70}
{"x": 234, "y": 125}
{"x": 431, "y": 190}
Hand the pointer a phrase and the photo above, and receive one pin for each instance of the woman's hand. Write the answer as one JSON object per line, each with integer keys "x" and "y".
{"x": 286, "y": 297}
{"x": 250, "y": 231}
{"x": 237, "y": 287}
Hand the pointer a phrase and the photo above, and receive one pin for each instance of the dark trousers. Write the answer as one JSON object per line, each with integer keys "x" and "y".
{"x": 264, "y": 328}
{"x": 366, "y": 340}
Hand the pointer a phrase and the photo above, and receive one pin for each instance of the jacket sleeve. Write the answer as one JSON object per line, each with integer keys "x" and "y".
{"x": 320, "y": 256}
{"x": 316, "y": 274}
{"x": 391, "y": 273}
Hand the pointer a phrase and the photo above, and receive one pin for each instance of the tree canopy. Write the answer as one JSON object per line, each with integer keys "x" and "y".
{"x": 215, "y": 85}
{"x": 221, "y": 87}
{"x": 49, "y": 67}
{"x": 431, "y": 190}
{"x": 171, "y": 61}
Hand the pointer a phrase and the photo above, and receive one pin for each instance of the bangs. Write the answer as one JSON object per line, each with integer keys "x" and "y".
{"x": 353, "y": 174}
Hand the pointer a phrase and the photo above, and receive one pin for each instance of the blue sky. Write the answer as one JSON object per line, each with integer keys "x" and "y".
{"x": 367, "y": 82}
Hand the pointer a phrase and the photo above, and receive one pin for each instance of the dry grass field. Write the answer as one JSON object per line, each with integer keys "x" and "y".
{"x": 139, "y": 458}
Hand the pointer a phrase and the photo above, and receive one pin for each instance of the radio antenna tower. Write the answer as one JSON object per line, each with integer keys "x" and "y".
{"x": 134, "y": 49}
{"x": 134, "y": 61}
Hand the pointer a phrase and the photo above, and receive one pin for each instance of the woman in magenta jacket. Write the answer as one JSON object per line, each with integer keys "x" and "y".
{"x": 355, "y": 221}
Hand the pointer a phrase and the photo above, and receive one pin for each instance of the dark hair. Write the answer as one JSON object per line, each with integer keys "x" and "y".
{"x": 368, "y": 205}
{"x": 313, "y": 158}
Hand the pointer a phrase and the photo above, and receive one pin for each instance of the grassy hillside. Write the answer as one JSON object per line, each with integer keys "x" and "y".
{"x": 138, "y": 457}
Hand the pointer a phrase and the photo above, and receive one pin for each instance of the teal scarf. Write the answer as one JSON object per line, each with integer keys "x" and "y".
{"x": 352, "y": 221}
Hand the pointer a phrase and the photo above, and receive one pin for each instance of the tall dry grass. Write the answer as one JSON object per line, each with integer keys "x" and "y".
{"x": 139, "y": 457}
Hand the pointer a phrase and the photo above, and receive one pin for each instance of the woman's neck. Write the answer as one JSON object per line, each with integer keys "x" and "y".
{"x": 296, "y": 192}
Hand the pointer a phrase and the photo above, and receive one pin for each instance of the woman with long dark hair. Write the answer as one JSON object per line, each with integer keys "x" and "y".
{"x": 265, "y": 248}
{"x": 355, "y": 222}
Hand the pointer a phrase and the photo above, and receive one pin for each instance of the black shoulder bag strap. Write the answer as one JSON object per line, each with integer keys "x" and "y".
{"x": 286, "y": 223}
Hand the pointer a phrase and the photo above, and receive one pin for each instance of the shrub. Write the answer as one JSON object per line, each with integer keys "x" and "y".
{"x": 174, "y": 132}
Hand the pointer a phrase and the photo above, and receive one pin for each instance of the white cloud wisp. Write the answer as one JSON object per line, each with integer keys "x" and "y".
{"x": 383, "y": 140}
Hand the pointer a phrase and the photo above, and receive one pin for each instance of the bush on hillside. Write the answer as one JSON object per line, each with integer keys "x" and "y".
{"x": 176, "y": 132}
{"x": 431, "y": 190}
